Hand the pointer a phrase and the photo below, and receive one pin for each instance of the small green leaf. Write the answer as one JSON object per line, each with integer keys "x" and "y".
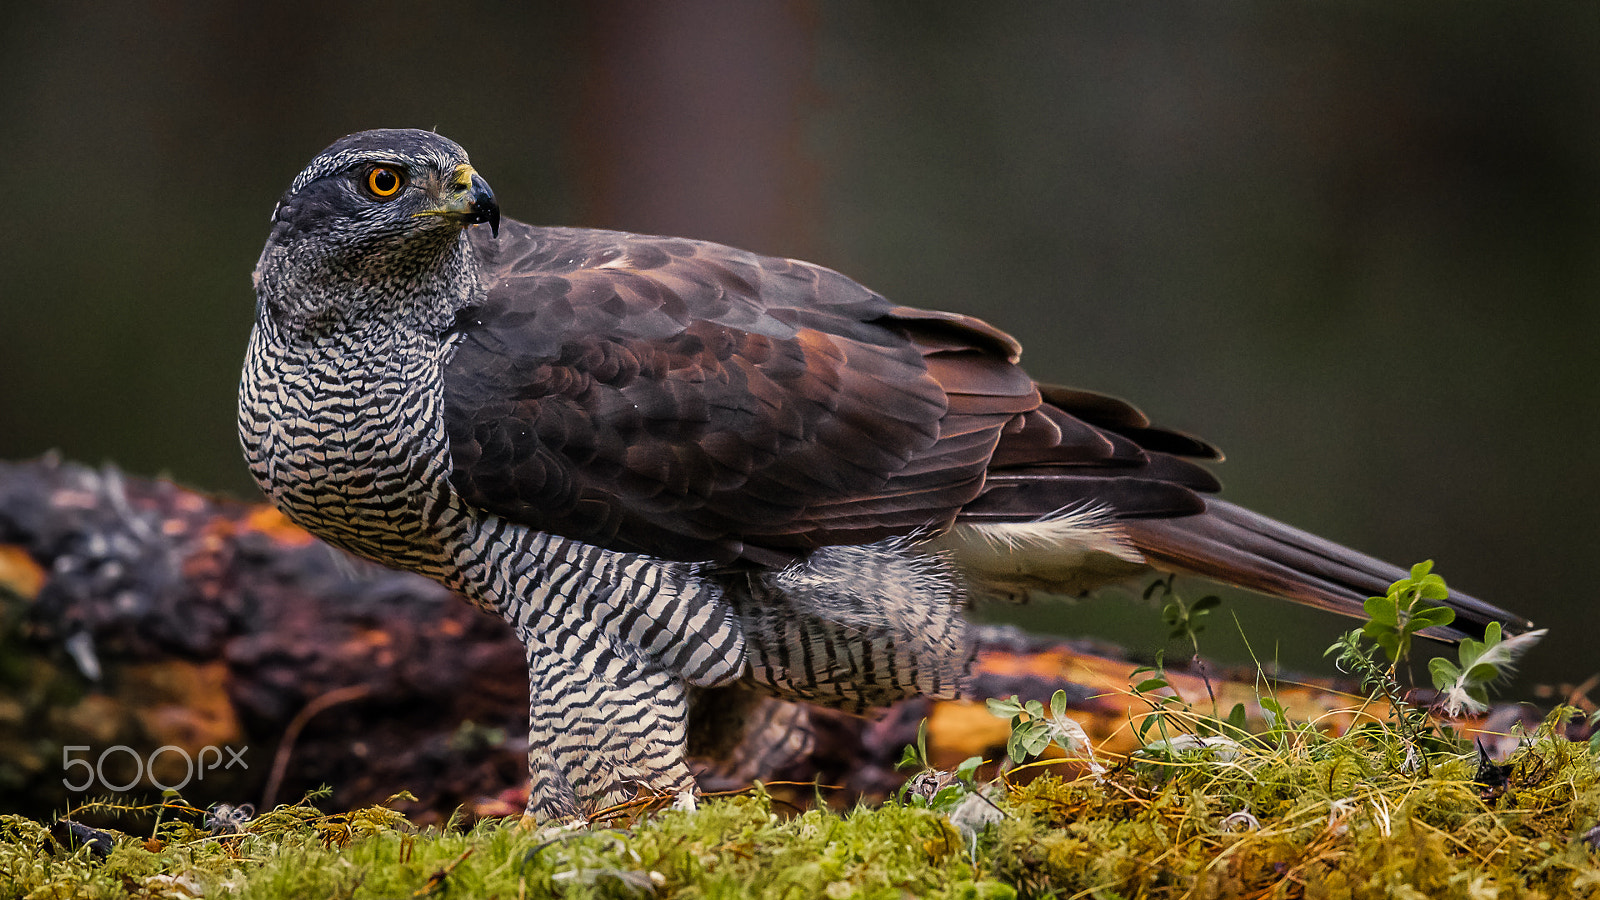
{"x": 968, "y": 768}
{"x": 1150, "y": 684}
{"x": 908, "y": 758}
{"x": 1421, "y": 570}
{"x": 1443, "y": 672}
{"x": 1058, "y": 704}
{"x": 1377, "y": 631}
{"x": 1031, "y": 739}
{"x": 1147, "y": 723}
{"x": 1004, "y": 709}
{"x": 1483, "y": 673}
{"x": 1387, "y": 637}
{"x": 1431, "y": 617}
{"x": 1381, "y": 610}
{"x": 1236, "y": 717}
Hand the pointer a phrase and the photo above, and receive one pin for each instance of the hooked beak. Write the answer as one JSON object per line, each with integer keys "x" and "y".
{"x": 469, "y": 199}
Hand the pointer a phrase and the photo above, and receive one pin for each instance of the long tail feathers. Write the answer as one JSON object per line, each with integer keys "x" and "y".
{"x": 1233, "y": 545}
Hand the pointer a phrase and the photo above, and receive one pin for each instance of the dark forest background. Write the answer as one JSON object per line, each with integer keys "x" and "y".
{"x": 1355, "y": 244}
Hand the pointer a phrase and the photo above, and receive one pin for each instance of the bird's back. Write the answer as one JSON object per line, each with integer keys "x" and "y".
{"x": 696, "y": 402}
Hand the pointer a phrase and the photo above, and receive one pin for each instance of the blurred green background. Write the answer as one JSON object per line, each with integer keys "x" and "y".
{"x": 1357, "y": 245}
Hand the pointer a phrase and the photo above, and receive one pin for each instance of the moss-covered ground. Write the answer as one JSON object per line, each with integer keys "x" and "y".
{"x": 1289, "y": 814}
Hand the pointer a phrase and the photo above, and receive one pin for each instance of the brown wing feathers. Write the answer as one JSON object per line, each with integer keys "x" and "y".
{"x": 696, "y": 402}
{"x": 1240, "y": 547}
{"x": 1156, "y": 494}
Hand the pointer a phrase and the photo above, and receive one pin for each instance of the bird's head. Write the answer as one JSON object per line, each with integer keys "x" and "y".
{"x": 376, "y": 215}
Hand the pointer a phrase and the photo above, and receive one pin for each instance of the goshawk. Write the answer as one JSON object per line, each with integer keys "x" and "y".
{"x": 676, "y": 466}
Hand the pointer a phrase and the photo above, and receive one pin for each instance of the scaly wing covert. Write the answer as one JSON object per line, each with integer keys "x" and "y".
{"x": 693, "y": 401}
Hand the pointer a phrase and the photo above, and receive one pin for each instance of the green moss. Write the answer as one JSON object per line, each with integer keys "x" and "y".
{"x": 1325, "y": 819}
{"x": 731, "y": 848}
{"x": 1308, "y": 817}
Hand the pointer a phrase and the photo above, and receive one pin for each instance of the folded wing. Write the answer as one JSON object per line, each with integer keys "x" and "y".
{"x": 691, "y": 401}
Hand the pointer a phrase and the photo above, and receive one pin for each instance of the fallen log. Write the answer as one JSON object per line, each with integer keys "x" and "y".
{"x": 152, "y": 636}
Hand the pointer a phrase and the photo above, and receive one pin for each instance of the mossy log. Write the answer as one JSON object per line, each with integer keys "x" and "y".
{"x": 137, "y": 614}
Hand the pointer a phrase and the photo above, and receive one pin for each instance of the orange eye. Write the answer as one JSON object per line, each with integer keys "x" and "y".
{"x": 384, "y": 182}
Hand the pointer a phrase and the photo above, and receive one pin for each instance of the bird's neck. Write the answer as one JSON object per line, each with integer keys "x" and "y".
{"x": 307, "y": 293}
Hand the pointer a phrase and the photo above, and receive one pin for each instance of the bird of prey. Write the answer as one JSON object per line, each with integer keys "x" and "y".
{"x": 675, "y": 466}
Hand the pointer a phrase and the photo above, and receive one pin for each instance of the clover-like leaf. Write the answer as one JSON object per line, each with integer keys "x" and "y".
{"x": 1058, "y": 704}
{"x": 1382, "y": 610}
{"x": 1443, "y": 672}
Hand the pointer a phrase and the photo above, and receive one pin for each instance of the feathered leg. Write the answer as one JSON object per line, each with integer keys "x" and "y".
{"x": 738, "y": 734}
{"x": 605, "y": 722}
{"x": 855, "y": 628}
